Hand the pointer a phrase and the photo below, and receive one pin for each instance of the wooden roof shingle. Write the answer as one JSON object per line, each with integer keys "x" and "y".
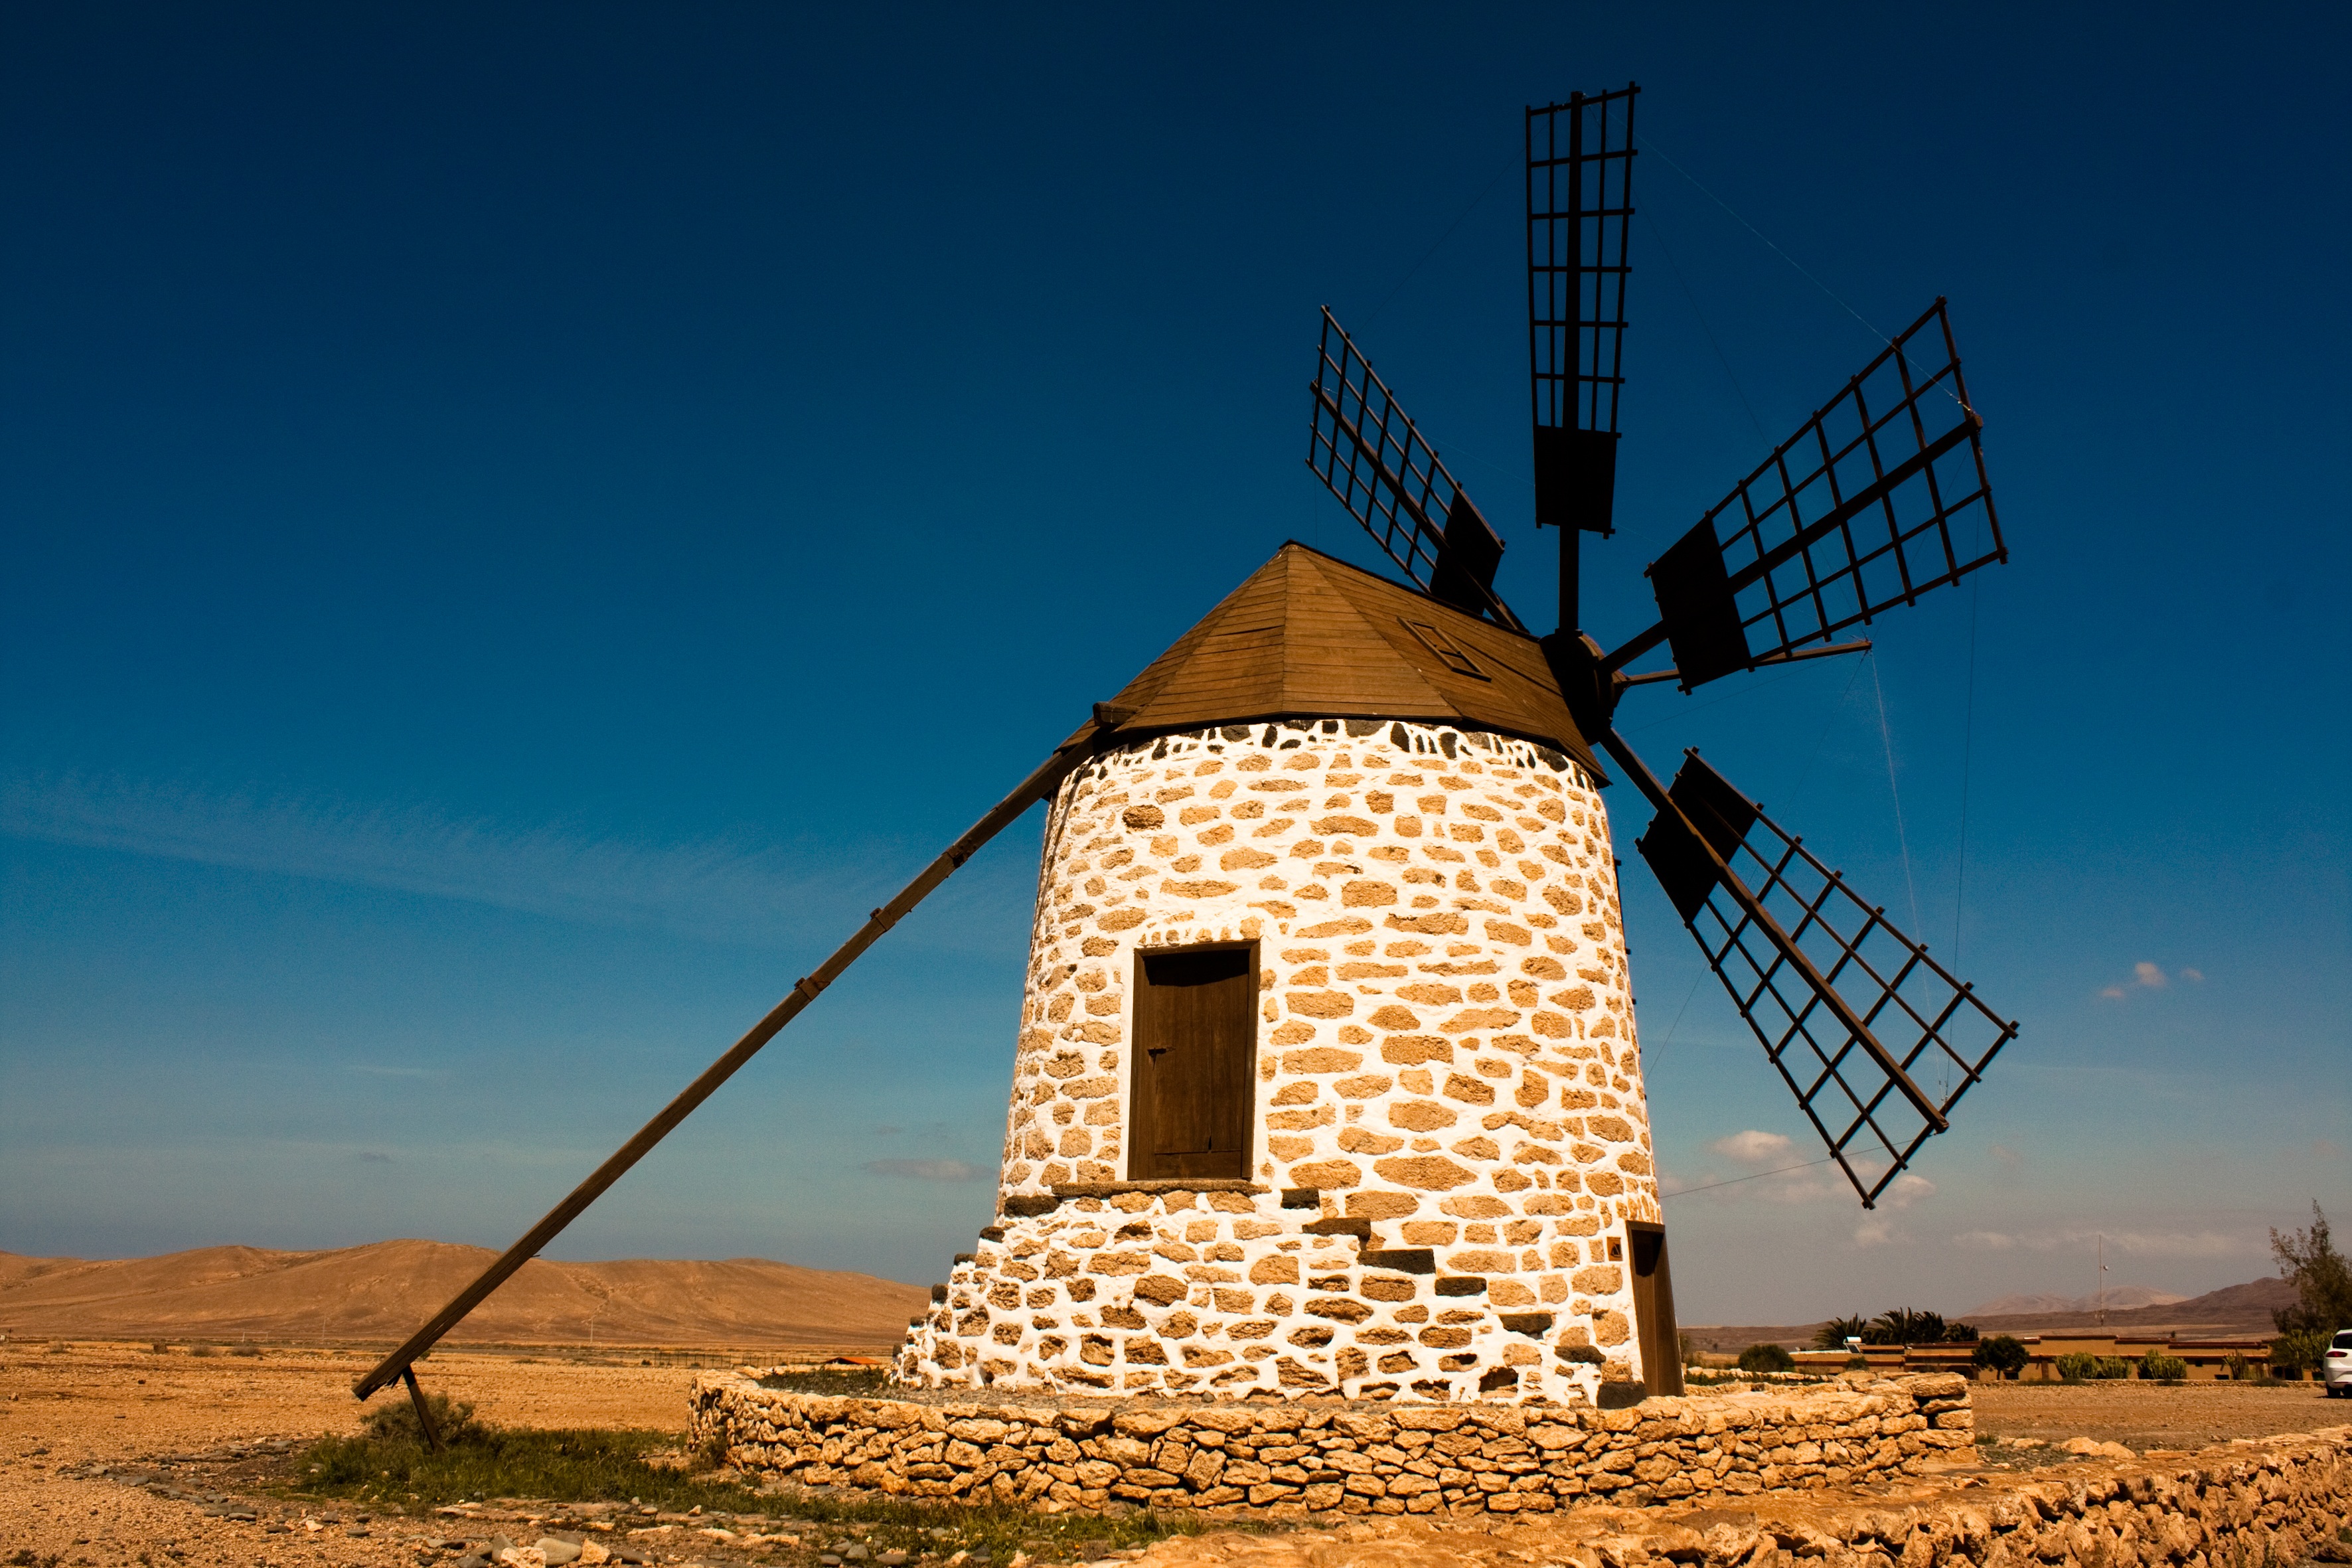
{"x": 1307, "y": 636}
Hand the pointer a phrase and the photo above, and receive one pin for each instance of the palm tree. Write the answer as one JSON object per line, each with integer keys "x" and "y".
{"x": 1834, "y": 1334}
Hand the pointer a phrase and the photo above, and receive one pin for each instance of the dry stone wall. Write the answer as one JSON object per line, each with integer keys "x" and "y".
{"x": 2274, "y": 1500}
{"x": 1361, "y": 1458}
{"x": 1450, "y": 1134}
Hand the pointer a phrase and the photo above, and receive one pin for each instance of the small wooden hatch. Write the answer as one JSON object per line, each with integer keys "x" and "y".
{"x": 1195, "y": 1039}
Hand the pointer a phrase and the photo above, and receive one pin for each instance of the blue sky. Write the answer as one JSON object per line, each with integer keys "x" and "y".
{"x": 522, "y": 524}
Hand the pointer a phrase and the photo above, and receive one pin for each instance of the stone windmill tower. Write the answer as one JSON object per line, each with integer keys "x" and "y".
{"x": 1328, "y": 1079}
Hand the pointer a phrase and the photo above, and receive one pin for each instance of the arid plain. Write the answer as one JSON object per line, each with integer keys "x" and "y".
{"x": 112, "y": 1452}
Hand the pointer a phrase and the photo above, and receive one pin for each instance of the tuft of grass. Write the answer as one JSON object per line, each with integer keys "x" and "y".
{"x": 200, "y": 1349}
{"x": 161, "y": 1347}
{"x": 246, "y": 1350}
{"x": 390, "y": 1469}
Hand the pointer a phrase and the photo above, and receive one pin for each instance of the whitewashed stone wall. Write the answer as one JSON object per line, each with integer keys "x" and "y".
{"x": 1446, "y": 1059}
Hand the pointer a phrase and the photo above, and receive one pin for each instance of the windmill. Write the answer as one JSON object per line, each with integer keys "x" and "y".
{"x": 1327, "y": 1079}
{"x": 1851, "y": 516}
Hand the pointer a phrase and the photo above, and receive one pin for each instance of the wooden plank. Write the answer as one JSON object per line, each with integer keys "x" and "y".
{"x": 1653, "y": 1308}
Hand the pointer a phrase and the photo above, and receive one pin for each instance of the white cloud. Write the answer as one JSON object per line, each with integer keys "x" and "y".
{"x": 2146, "y": 976}
{"x": 1988, "y": 1240}
{"x": 928, "y": 1170}
{"x": 1878, "y": 1230}
{"x": 1905, "y": 1190}
{"x": 1754, "y": 1147}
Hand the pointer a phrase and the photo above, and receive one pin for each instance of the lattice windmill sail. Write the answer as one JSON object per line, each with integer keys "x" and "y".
{"x": 1327, "y": 1079}
{"x": 1878, "y": 498}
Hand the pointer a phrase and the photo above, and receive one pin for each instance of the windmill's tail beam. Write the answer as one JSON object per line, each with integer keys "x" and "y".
{"x": 1037, "y": 786}
{"x": 1711, "y": 861}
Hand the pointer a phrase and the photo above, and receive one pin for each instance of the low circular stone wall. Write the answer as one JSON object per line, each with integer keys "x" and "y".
{"x": 1298, "y": 1457}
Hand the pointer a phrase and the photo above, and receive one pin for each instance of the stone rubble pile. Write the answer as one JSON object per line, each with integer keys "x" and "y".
{"x": 1297, "y": 1456}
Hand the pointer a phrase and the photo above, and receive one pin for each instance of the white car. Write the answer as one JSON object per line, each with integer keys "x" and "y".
{"x": 2335, "y": 1365}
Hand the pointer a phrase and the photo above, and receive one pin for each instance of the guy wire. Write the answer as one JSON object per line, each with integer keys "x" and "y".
{"x": 1867, "y": 323}
{"x": 1886, "y": 738}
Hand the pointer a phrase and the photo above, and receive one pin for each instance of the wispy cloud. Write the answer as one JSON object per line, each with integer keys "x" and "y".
{"x": 723, "y": 890}
{"x": 1878, "y": 1230}
{"x": 2132, "y": 1243}
{"x": 928, "y": 1170}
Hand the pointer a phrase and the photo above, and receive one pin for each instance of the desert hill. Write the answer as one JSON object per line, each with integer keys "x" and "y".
{"x": 2232, "y": 1309}
{"x": 380, "y": 1293}
{"x": 2120, "y": 1296}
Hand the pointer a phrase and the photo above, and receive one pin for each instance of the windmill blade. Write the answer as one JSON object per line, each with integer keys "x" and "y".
{"x": 1876, "y": 1040}
{"x": 1039, "y": 785}
{"x": 1852, "y": 515}
{"x": 1366, "y": 450}
{"x": 1579, "y": 210}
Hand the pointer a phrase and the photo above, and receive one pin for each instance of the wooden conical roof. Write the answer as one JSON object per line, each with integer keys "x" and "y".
{"x": 1308, "y": 635}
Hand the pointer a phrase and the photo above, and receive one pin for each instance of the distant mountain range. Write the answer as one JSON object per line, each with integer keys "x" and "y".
{"x": 379, "y": 1294}
{"x": 2231, "y": 1311}
{"x": 2119, "y": 1296}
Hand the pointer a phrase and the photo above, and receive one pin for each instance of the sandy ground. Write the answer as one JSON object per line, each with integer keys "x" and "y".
{"x": 178, "y": 1420}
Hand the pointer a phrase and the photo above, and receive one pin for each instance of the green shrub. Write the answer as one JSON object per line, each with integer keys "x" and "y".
{"x": 2075, "y": 1366}
{"x": 395, "y": 1422}
{"x": 1766, "y": 1358}
{"x": 2160, "y": 1368}
{"x": 2299, "y": 1348}
{"x": 2111, "y": 1366}
{"x": 2004, "y": 1353}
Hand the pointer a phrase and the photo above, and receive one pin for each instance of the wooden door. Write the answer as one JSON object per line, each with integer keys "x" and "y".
{"x": 1195, "y": 1037}
{"x": 1654, "y": 1309}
